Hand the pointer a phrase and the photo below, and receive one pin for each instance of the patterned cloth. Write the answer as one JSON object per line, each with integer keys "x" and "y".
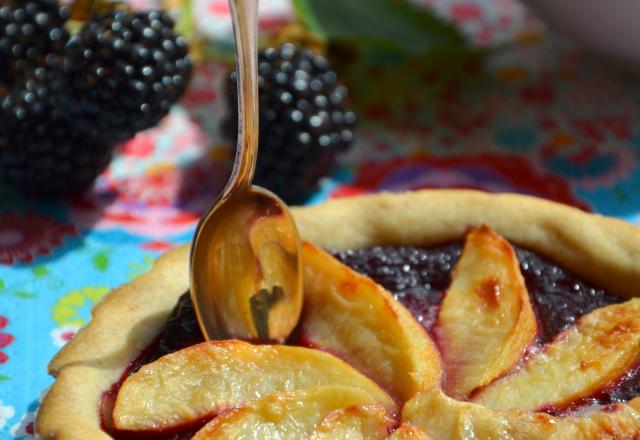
{"x": 540, "y": 116}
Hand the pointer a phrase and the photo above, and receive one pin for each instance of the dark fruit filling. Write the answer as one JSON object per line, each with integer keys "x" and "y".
{"x": 419, "y": 278}
{"x": 182, "y": 330}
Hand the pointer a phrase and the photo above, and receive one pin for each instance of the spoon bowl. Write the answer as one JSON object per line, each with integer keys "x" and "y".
{"x": 246, "y": 269}
{"x": 246, "y": 275}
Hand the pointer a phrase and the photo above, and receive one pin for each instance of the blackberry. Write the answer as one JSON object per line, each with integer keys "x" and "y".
{"x": 55, "y": 158}
{"x": 32, "y": 42}
{"x": 37, "y": 141}
{"x": 304, "y": 121}
{"x": 28, "y": 32}
{"x": 126, "y": 70}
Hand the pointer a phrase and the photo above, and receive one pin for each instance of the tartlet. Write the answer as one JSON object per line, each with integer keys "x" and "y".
{"x": 403, "y": 377}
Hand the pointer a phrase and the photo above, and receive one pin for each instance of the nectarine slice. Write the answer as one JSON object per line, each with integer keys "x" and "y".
{"x": 445, "y": 418}
{"x": 371, "y": 422}
{"x": 208, "y": 378}
{"x": 486, "y": 321}
{"x": 407, "y": 431}
{"x": 597, "y": 350}
{"x": 348, "y": 314}
{"x": 289, "y": 415}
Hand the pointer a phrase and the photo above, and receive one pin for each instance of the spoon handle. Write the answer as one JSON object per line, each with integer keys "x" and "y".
{"x": 245, "y": 29}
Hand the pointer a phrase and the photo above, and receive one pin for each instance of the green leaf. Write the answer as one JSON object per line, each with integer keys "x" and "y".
{"x": 1, "y": 284}
{"x": 40, "y": 271}
{"x": 186, "y": 24}
{"x": 25, "y": 295}
{"x": 100, "y": 261}
{"x": 392, "y": 23}
{"x": 3, "y": 377}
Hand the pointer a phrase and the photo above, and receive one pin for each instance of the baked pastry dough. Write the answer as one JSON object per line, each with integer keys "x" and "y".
{"x": 602, "y": 250}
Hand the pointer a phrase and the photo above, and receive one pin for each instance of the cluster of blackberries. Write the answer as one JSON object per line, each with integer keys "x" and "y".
{"x": 65, "y": 102}
{"x": 304, "y": 121}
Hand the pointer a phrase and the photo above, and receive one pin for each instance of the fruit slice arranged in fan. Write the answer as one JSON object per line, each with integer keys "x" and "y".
{"x": 446, "y": 418}
{"x": 407, "y": 431}
{"x": 203, "y": 380}
{"x": 486, "y": 320}
{"x": 347, "y": 314}
{"x": 297, "y": 414}
{"x": 371, "y": 422}
{"x": 599, "y": 349}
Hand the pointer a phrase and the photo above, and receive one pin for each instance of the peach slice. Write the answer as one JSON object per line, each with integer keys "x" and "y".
{"x": 486, "y": 321}
{"x": 208, "y": 378}
{"x": 371, "y": 422}
{"x": 295, "y": 414}
{"x": 597, "y": 350}
{"x": 445, "y": 418}
{"x": 347, "y": 314}
{"x": 407, "y": 431}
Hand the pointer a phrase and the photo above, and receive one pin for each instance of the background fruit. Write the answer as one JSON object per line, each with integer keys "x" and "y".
{"x": 126, "y": 70}
{"x": 304, "y": 121}
{"x": 55, "y": 159}
{"x": 66, "y": 102}
{"x": 32, "y": 41}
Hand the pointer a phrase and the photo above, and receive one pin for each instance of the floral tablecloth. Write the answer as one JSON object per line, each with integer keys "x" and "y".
{"x": 540, "y": 116}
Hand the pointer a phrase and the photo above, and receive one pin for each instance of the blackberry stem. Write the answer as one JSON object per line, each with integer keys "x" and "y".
{"x": 82, "y": 10}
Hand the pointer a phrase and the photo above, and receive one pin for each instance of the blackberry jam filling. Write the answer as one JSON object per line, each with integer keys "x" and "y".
{"x": 419, "y": 278}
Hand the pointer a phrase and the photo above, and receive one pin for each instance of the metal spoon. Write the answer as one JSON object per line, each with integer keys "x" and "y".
{"x": 246, "y": 279}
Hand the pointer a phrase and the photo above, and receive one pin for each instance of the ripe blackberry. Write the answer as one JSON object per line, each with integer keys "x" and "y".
{"x": 29, "y": 31}
{"x": 54, "y": 158}
{"x": 32, "y": 41}
{"x": 304, "y": 121}
{"x": 126, "y": 70}
{"x": 38, "y": 144}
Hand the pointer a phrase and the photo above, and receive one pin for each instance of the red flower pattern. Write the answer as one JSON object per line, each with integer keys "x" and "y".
{"x": 487, "y": 172}
{"x": 5, "y": 339}
{"x": 140, "y": 146}
{"x": 24, "y": 236}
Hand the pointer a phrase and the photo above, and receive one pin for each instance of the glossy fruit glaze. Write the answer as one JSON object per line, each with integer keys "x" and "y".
{"x": 419, "y": 278}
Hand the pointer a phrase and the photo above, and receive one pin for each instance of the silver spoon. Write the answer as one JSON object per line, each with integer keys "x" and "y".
{"x": 246, "y": 275}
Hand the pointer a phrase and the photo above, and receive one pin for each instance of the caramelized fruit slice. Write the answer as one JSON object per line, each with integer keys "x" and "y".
{"x": 486, "y": 320}
{"x": 205, "y": 379}
{"x": 407, "y": 431}
{"x": 348, "y": 314}
{"x": 446, "y": 418}
{"x": 371, "y": 422}
{"x": 597, "y": 350}
{"x": 290, "y": 415}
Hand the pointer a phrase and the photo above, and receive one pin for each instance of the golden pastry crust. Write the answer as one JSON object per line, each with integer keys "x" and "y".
{"x": 122, "y": 325}
{"x": 602, "y": 250}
